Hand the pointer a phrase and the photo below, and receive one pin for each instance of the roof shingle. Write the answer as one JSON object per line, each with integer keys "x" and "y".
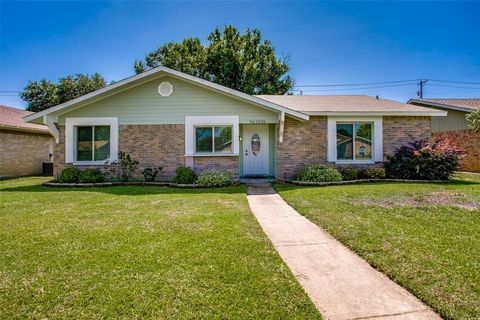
{"x": 465, "y": 103}
{"x": 12, "y": 119}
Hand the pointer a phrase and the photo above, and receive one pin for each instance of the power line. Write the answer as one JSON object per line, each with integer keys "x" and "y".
{"x": 446, "y": 86}
{"x": 353, "y": 84}
{"x": 463, "y": 82}
{"x": 362, "y": 88}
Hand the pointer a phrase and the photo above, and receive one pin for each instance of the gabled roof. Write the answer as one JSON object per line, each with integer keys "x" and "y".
{"x": 12, "y": 119}
{"x": 350, "y": 105}
{"x": 151, "y": 75}
{"x": 459, "y": 104}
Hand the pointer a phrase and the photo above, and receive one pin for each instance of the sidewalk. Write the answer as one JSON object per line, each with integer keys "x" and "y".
{"x": 341, "y": 284}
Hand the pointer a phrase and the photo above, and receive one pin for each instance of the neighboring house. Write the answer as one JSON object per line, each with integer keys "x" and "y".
{"x": 454, "y": 127}
{"x": 166, "y": 118}
{"x": 23, "y": 146}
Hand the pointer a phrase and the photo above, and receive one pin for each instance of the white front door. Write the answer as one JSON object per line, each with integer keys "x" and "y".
{"x": 255, "y": 150}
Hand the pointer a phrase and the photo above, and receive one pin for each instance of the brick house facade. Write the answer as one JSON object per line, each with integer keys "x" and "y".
{"x": 193, "y": 122}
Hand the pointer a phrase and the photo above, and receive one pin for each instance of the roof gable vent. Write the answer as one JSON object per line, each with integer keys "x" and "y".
{"x": 165, "y": 89}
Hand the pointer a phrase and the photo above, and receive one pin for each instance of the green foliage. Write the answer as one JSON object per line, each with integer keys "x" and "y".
{"x": 40, "y": 95}
{"x": 43, "y": 94}
{"x": 70, "y": 174}
{"x": 473, "y": 120}
{"x": 376, "y": 173}
{"x": 90, "y": 175}
{"x": 349, "y": 174}
{"x": 127, "y": 165}
{"x": 423, "y": 160}
{"x": 318, "y": 173}
{"x": 215, "y": 179}
{"x": 150, "y": 174}
{"x": 243, "y": 62}
{"x": 184, "y": 175}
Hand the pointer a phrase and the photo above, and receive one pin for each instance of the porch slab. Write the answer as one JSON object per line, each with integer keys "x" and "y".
{"x": 341, "y": 284}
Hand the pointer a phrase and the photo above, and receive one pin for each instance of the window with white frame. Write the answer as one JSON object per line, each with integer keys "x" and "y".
{"x": 91, "y": 140}
{"x": 354, "y": 141}
{"x": 93, "y": 143}
{"x": 213, "y": 139}
{"x": 211, "y": 136}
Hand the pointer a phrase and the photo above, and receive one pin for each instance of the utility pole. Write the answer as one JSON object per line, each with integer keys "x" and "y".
{"x": 421, "y": 83}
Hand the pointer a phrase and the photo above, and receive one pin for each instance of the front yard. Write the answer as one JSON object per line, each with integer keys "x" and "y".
{"x": 424, "y": 236}
{"x": 139, "y": 252}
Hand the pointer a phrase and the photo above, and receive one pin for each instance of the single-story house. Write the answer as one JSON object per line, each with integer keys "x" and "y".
{"x": 166, "y": 118}
{"x": 24, "y": 147}
{"x": 454, "y": 127}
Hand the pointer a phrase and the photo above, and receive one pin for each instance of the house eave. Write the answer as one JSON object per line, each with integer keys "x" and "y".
{"x": 150, "y": 75}
{"x": 378, "y": 113}
{"x": 438, "y": 105}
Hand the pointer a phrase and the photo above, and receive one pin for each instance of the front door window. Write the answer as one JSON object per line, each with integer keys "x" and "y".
{"x": 255, "y": 144}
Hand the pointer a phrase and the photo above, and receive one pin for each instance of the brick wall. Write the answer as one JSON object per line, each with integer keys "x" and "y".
{"x": 155, "y": 146}
{"x": 22, "y": 153}
{"x": 231, "y": 164}
{"x": 305, "y": 143}
{"x": 469, "y": 142}
{"x": 398, "y": 131}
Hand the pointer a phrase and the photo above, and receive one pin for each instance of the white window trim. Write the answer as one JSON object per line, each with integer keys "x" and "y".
{"x": 71, "y": 123}
{"x": 198, "y": 121}
{"x": 377, "y": 137}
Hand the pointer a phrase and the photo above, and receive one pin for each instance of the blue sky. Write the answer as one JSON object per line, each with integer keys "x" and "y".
{"x": 327, "y": 42}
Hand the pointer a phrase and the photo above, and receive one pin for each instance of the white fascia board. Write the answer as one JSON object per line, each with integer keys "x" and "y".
{"x": 174, "y": 73}
{"x": 427, "y": 104}
{"x": 384, "y": 113}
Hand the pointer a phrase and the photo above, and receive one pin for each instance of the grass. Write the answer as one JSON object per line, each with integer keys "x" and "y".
{"x": 432, "y": 248}
{"x": 139, "y": 252}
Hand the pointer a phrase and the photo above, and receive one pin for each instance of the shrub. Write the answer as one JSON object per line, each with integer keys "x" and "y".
{"x": 150, "y": 174}
{"x": 318, "y": 173}
{"x": 90, "y": 176}
{"x": 473, "y": 120}
{"x": 215, "y": 179}
{"x": 184, "y": 175}
{"x": 349, "y": 174}
{"x": 127, "y": 165}
{"x": 423, "y": 160}
{"x": 70, "y": 175}
{"x": 376, "y": 173}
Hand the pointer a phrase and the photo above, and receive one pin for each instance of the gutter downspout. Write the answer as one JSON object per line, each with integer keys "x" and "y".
{"x": 49, "y": 121}
{"x": 282, "y": 127}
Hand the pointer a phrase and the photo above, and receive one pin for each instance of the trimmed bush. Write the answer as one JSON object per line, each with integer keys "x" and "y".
{"x": 375, "y": 173}
{"x": 90, "y": 175}
{"x": 150, "y": 174}
{"x": 349, "y": 174}
{"x": 215, "y": 179}
{"x": 70, "y": 174}
{"x": 317, "y": 173}
{"x": 184, "y": 175}
{"x": 424, "y": 161}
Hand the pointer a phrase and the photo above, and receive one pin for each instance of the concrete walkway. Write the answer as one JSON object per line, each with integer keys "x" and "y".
{"x": 341, "y": 284}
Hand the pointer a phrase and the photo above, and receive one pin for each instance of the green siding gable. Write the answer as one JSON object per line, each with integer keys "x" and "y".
{"x": 143, "y": 105}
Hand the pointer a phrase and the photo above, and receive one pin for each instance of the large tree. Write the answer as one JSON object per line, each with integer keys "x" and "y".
{"x": 43, "y": 94}
{"x": 243, "y": 62}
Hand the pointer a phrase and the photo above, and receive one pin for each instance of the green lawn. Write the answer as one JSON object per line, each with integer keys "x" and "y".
{"x": 424, "y": 236}
{"x": 139, "y": 252}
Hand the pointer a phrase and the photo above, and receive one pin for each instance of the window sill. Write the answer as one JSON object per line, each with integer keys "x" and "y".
{"x": 212, "y": 155}
{"x": 355, "y": 162}
{"x": 90, "y": 163}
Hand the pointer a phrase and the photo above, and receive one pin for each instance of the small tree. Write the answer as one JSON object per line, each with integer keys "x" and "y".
{"x": 127, "y": 165}
{"x": 473, "y": 120}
